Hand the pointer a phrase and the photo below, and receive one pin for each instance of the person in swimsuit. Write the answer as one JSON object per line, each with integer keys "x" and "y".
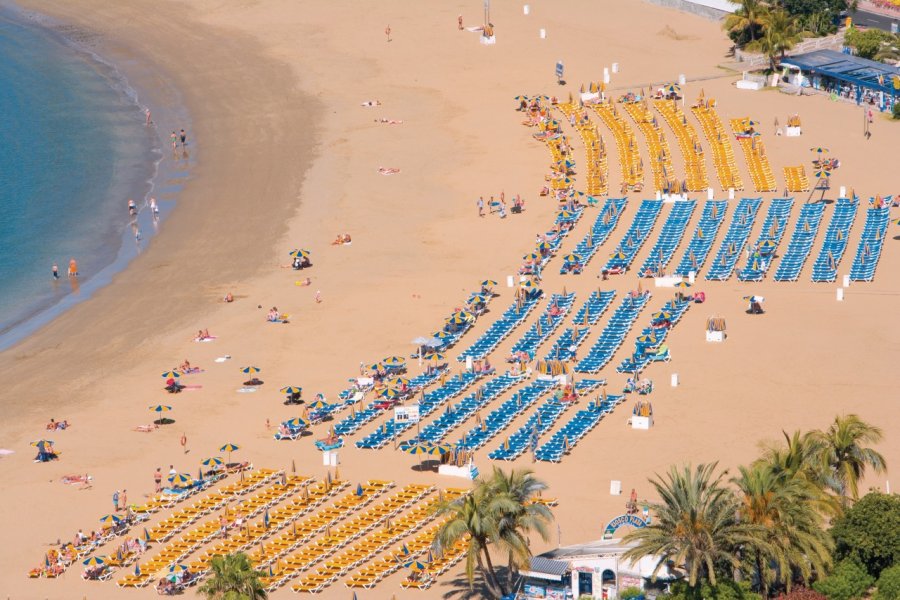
{"x": 183, "y": 138}
{"x": 73, "y": 268}
{"x": 132, "y": 207}
{"x": 55, "y": 271}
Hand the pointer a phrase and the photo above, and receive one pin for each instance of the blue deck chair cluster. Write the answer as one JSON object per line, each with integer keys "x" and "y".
{"x": 501, "y": 328}
{"x": 763, "y": 251}
{"x": 568, "y": 436}
{"x": 428, "y": 403}
{"x": 457, "y": 414}
{"x": 801, "y": 242}
{"x": 555, "y": 240}
{"x": 614, "y": 333}
{"x": 571, "y": 338}
{"x": 545, "y": 325}
{"x": 735, "y": 239}
{"x": 500, "y": 418}
{"x": 527, "y": 436}
{"x": 702, "y": 240}
{"x": 653, "y": 337}
{"x": 835, "y": 244}
{"x": 603, "y": 226}
{"x": 869, "y": 250}
{"x": 636, "y": 235}
{"x": 669, "y": 237}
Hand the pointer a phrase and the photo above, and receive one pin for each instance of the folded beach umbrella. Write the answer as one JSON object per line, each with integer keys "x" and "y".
{"x": 291, "y": 389}
{"x": 171, "y": 374}
{"x": 110, "y": 519}
{"x": 249, "y": 370}
{"x": 181, "y": 479}
{"x": 212, "y": 462}
{"x": 94, "y": 561}
{"x": 393, "y": 361}
{"x": 297, "y": 423}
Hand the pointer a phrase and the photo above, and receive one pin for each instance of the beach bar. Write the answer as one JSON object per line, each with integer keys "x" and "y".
{"x": 846, "y": 76}
{"x": 595, "y": 570}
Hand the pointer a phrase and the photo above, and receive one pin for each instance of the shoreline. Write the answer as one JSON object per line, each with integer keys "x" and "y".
{"x": 157, "y": 176}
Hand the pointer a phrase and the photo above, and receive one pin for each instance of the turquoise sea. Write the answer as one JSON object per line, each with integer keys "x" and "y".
{"x": 74, "y": 147}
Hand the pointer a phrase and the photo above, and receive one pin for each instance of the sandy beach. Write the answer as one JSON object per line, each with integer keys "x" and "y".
{"x": 285, "y": 156}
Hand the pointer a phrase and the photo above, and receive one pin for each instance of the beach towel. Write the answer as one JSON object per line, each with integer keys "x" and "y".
{"x": 246, "y": 390}
{"x": 222, "y": 359}
{"x": 388, "y": 170}
{"x": 206, "y": 339}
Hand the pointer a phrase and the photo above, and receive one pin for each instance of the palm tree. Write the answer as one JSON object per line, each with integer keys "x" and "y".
{"x": 800, "y": 457}
{"x": 844, "y": 453}
{"x": 746, "y": 19}
{"x": 468, "y": 519}
{"x": 513, "y": 504}
{"x": 233, "y": 578}
{"x": 780, "y": 34}
{"x": 785, "y": 507}
{"x": 696, "y": 525}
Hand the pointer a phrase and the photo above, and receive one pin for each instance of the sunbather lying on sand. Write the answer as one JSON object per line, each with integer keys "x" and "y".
{"x": 203, "y": 336}
{"x": 369, "y": 103}
{"x": 389, "y": 121}
{"x": 57, "y": 425}
{"x": 388, "y": 170}
{"x": 76, "y": 479}
{"x": 146, "y": 428}
{"x": 304, "y": 282}
{"x": 341, "y": 239}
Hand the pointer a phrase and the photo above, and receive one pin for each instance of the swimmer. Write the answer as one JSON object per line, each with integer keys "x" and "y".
{"x": 174, "y": 139}
{"x": 73, "y": 268}
{"x": 55, "y": 271}
{"x": 132, "y": 207}
{"x": 154, "y": 208}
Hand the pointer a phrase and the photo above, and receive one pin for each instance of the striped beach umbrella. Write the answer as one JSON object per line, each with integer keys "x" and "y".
{"x": 212, "y": 462}
{"x": 177, "y": 569}
{"x": 488, "y": 283}
{"x": 318, "y": 405}
{"x": 94, "y": 561}
{"x": 819, "y": 150}
{"x": 389, "y": 393}
{"x": 420, "y": 448}
{"x": 249, "y": 370}
{"x": 566, "y": 215}
{"x": 171, "y": 374}
{"x": 477, "y": 299}
{"x": 528, "y": 284}
{"x": 393, "y": 361}
{"x": 396, "y": 382}
{"x": 300, "y": 253}
{"x": 438, "y": 450}
{"x": 572, "y": 258}
{"x": 618, "y": 255}
{"x": 662, "y": 315}
{"x": 296, "y": 423}
{"x": 106, "y": 519}
{"x": 417, "y": 565}
{"x": 433, "y": 356}
{"x": 376, "y": 367}
{"x": 823, "y": 173}
{"x": 464, "y": 314}
{"x": 455, "y": 319}
{"x": 291, "y": 389}
{"x": 532, "y": 256}
{"x": 181, "y": 479}
{"x": 683, "y": 285}
{"x": 544, "y": 247}
{"x": 442, "y": 335}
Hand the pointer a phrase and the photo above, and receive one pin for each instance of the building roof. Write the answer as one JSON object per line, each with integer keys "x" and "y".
{"x": 546, "y": 568}
{"x": 596, "y": 548}
{"x": 847, "y": 67}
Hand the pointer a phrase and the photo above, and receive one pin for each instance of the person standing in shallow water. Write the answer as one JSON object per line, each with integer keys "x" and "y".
{"x": 183, "y": 137}
{"x": 55, "y": 271}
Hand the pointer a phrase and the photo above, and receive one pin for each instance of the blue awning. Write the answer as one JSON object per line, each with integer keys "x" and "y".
{"x": 846, "y": 67}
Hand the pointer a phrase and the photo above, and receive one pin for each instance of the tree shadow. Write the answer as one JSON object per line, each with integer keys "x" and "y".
{"x": 458, "y": 588}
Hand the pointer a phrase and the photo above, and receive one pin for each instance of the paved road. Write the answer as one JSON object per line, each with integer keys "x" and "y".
{"x": 868, "y": 19}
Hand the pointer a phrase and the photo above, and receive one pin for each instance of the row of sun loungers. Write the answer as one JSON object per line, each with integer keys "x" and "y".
{"x": 695, "y": 167}
{"x": 614, "y": 333}
{"x": 704, "y": 236}
{"x": 763, "y": 253}
{"x": 571, "y": 338}
{"x": 455, "y": 415}
{"x": 501, "y": 328}
{"x": 755, "y": 155}
{"x": 801, "y": 242}
{"x": 720, "y": 143}
{"x": 832, "y": 251}
{"x": 795, "y": 179}
{"x": 660, "y": 156}
{"x": 735, "y": 239}
{"x": 526, "y": 437}
{"x": 626, "y": 145}
{"x": 499, "y": 418}
{"x": 669, "y": 237}
{"x": 634, "y": 238}
{"x": 597, "y": 179}
{"x": 649, "y": 346}
{"x": 570, "y": 434}
{"x": 604, "y": 224}
{"x": 869, "y": 250}
{"x": 427, "y": 404}
{"x": 545, "y": 325}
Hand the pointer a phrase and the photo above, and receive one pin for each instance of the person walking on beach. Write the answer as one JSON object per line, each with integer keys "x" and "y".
{"x": 73, "y": 268}
{"x": 183, "y": 137}
{"x": 154, "y": 208}
{"x": 132, "y": 207}
{"x": 387, "y": 32}
{"x": 115, "y": 500}
{"x": 124, "y": 499}
{"x": 55, "y": 271}
{"x": 480, "y": 205}
{"x": 149, "y": 118}
{"x": 157, "y": 479}
{"x": 459, "y": 22}
{"x": 174, "y": 139}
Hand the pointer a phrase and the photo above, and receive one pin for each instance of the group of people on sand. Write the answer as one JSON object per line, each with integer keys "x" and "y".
{"x": 499, "y": 206}
{"x": 342, "y": 239}
{"x": 204, "y": 336}
{"x": 276, "y": 317}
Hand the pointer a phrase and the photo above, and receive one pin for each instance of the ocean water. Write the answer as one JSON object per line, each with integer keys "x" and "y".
{"x": 74, "y": 148}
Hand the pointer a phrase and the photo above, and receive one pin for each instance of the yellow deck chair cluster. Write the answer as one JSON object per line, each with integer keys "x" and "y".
{"x": 660, "y": 156}
{"x": 755, "y": 155}
{"x": 597, "y": 180}
{"x": 626, "y": 145}
{"x": 689, "y": 143}
{"x": 796, "y": 180}
{"x": 719, "y": 142}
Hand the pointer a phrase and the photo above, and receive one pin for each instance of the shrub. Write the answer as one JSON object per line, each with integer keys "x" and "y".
{"x": 896, "y": 110}
{"x": 869, "y": 532}
{"x": 802, "y": 593}
{"x": 631, "y": 592}
{"x": 889, "y": 584}
{"x": 848, "y": 581}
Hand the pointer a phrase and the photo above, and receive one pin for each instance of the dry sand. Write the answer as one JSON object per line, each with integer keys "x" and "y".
{"x": 287, "y": 157}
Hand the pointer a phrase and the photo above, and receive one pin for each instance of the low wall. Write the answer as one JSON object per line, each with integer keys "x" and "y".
{"x": 715, "y": 10}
